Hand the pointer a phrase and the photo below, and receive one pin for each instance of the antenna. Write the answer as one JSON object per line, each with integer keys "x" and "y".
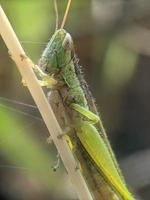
{"x": 56, "y": 14}
{"x": 66, "y": 14}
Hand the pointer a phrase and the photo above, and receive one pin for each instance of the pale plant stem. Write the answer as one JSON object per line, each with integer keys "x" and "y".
{"x": 25, "y": 65}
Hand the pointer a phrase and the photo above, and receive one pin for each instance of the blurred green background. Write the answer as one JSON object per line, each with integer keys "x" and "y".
{"x": 112, "y": 41}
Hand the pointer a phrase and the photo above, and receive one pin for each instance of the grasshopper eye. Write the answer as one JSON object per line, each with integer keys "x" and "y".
{"x": 67, "y": 42}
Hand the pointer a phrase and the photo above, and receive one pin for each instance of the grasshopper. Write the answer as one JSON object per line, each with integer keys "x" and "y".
{"x": 59, "y": 65}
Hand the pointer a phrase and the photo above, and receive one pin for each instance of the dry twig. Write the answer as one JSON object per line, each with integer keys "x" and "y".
{"x": 24, "y": 65}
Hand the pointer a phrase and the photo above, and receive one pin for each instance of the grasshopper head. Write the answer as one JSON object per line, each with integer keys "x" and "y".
{"x": 57, "y": 53}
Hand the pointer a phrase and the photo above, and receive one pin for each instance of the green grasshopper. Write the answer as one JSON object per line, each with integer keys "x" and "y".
{"x": 61, "y": 70}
